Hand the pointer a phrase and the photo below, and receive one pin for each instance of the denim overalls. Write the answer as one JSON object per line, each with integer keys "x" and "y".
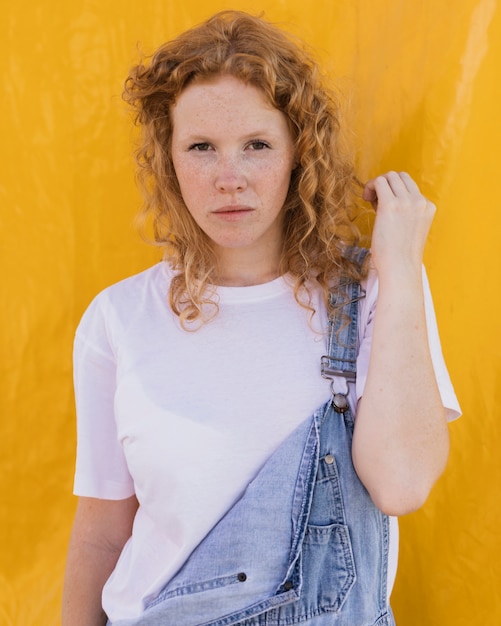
{"x": 304, "y": 544}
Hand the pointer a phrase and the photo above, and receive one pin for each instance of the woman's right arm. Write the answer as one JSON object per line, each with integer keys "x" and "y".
{"x": 100, "y": 531}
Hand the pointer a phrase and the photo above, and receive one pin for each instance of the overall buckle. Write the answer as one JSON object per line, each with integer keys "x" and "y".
{"x": 339, "y": 400}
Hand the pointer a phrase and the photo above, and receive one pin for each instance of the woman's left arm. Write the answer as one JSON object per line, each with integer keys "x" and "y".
{"x": 401, "y": 441}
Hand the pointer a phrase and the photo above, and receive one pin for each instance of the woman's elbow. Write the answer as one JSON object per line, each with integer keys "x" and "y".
{"x": 399, "y": 502}
{"x": 403, "y": 495}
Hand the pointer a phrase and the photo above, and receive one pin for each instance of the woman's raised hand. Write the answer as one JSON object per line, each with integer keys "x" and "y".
{"x": 403, "y": 220}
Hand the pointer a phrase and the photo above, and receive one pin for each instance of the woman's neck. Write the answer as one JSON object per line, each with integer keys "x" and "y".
{"x": 238, "y": 269}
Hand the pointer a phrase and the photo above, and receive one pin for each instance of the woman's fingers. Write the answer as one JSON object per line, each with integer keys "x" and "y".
{"x": 390, "y": 186}
{"x": 410, "y": 183}
{"x": 396, "y": 184}
{"x": 403, "y": 219}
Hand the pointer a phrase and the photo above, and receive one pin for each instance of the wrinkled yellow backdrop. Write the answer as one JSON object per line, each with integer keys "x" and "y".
{"x": 424, "y": 84}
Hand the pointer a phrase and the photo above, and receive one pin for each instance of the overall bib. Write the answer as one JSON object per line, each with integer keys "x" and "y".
{"x": 305, "y": 543}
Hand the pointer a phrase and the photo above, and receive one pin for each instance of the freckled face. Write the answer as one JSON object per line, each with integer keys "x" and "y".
{"x": 233, "y": 155}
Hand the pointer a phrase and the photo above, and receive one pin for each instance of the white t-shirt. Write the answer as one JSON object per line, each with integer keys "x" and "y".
{"x": 185, "y": 420}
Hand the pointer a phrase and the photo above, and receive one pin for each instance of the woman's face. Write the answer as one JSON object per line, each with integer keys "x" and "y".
{"x": 233, "y": 155}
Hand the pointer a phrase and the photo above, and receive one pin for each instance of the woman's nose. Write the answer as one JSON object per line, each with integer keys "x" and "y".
{"x": 230, "y": 176}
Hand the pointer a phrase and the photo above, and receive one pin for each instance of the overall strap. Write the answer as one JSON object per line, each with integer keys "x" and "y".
{"x": 343, "y": 329}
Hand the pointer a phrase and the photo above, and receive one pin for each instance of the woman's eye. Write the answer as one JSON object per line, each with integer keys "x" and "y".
{"x": 200, "y": 147}
{"x": 258, "y": 145}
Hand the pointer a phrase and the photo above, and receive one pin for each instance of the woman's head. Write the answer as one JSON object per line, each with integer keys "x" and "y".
{"x": 233, "y": 155}
{"x": 317, "y": 208}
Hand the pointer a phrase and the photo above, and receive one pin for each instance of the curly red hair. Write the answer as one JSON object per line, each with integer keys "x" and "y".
{"x": 321, "y": 205}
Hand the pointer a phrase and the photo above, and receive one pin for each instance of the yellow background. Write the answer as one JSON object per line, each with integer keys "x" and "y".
{"x": 423, "y": 80}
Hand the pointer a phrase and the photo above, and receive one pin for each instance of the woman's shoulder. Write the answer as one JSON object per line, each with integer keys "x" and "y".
{"x": 155, "y": 276}
{"x": 133, "y": 288}
{"x": 125, "y": 298}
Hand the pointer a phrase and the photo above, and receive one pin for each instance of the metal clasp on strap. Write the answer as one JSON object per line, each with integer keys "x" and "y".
{"x": 339, "y": 400}
{"x": 328, "y": 371}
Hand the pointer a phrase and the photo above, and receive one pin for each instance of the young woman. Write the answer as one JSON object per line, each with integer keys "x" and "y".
{"x": 222, "y": 475}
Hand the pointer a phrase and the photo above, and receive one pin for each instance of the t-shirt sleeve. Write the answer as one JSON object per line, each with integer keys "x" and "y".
{"x": 101, "y": 470}
{"x": 366, "y": 325}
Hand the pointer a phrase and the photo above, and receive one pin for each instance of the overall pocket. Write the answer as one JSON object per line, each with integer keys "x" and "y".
{"x": 328, "y": 568}
{"x": 327, "y": 562}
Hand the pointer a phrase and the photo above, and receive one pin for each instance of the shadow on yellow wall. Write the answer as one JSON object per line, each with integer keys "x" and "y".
{"x": 425, "y": 90}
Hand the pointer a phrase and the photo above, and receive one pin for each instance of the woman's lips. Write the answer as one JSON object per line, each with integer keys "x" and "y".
{"x": 232, "y": 213}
